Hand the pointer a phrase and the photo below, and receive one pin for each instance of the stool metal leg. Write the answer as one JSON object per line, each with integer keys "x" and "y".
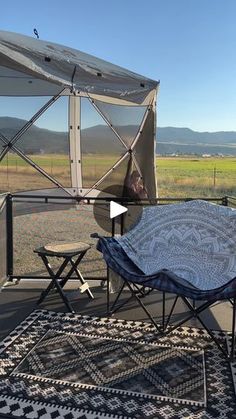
{"x": 72, "y": 269}
{"x": 75, "y": 269}
{"x": 80, "y": 277}
{"x": 45, "y": 292}
{"x": 63, "y": 296}
{"x": 55, "y": 283}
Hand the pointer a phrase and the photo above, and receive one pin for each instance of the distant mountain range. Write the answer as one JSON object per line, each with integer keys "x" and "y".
{"x": 35, "y": 139}
{"x": 186, "y": 141}
{"x": 170, "y": 140}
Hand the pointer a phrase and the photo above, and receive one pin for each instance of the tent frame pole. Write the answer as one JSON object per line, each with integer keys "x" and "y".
{"x": 75, "y": 143}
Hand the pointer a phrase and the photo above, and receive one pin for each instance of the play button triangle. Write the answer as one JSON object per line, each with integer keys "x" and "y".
{"x": 116, "y": 209}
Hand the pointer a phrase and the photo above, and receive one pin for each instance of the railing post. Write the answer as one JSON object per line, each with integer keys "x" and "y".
{"x": 9, "y": 226}
{"x": 113, "y": 228}
{"x": 122, "y": 224}
{"x": 225, "y": 201}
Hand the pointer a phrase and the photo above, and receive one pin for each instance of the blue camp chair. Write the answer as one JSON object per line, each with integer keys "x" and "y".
{"x": 197, "y": 265}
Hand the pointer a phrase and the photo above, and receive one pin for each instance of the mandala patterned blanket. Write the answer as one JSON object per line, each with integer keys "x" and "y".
{"x": 195, "y": 240}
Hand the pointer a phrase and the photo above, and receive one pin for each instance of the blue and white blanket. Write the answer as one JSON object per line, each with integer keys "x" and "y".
{"x": 195, "y": 240}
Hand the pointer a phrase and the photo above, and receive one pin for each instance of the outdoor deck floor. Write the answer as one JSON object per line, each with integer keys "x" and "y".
{"x": 18, "y": 301}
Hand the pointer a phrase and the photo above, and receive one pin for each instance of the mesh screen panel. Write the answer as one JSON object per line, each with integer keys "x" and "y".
{"x": 17, "y": 175}
{"x": 29, "y": 202}
{"x": 125, "y": 120}
{"x": 4, "y": 181}
{"x": 3, "y": 241}
{"x": 46, "y": 143}
{"x": 100, "y": 147}
{"x": 143, "y": 152}
{"x": 16, "y": 111}
{"x": 124, "y": 181}
{"x": 114, "y": 181}
{"x": 133, "y": 183}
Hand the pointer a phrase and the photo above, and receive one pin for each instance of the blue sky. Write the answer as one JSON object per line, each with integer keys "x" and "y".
{"x": 190, "y": 45}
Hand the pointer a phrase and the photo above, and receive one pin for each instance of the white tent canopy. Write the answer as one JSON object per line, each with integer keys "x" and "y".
{"x": 31, "y": 67}
{"x": 65, "y": 67}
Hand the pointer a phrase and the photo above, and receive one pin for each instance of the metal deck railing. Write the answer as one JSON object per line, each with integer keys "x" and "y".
{"x": 15, "y": 205}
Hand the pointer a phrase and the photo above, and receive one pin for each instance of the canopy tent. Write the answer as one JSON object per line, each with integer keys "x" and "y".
{"x": 99, "y": 154}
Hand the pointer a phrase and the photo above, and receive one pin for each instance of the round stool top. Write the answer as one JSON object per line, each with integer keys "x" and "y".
{"x": 67, "y": 247}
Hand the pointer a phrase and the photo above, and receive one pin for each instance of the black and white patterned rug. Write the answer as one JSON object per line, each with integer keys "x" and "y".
{"x": 65, "y": 366}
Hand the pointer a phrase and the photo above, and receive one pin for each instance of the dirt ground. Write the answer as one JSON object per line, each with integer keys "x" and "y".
{"x": 33, "y": 230}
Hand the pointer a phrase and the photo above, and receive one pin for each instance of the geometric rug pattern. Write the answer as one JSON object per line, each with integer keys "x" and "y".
{"x": 67, "y": 366}
{"x": 161, "y": 371}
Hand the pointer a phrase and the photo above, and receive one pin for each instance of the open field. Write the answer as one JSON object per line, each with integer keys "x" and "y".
{"x": 192, "y": 176}
{"x": 188, "y": 176}
{"x": 18, "y": 175}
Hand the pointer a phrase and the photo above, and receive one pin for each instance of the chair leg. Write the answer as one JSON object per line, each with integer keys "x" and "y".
{"x": 233, "y": 337}
{"x": 108, "y": 291}
{"x": 140, "y": 291}
{"x": 196, "y": 313}
{"x": 171, "y": 311}
{"x": 113, "y": 309}
{"x": 159, "y": 329}
{"x": 163, "y": 310}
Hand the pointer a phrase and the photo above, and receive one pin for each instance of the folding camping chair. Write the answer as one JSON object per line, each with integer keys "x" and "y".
{"x": 184, "y": 249}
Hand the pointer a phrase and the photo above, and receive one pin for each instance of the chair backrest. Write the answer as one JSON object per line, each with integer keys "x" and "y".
{"x": 196, "y": 240}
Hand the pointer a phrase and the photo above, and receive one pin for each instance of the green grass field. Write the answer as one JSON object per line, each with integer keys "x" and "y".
{"x": 176, "y": 176}
{"x": 193, "y": 176}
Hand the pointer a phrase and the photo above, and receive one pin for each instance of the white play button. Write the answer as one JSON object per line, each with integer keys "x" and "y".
{"x": 116, "y": 209}
{"x": 102, "y": 210}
